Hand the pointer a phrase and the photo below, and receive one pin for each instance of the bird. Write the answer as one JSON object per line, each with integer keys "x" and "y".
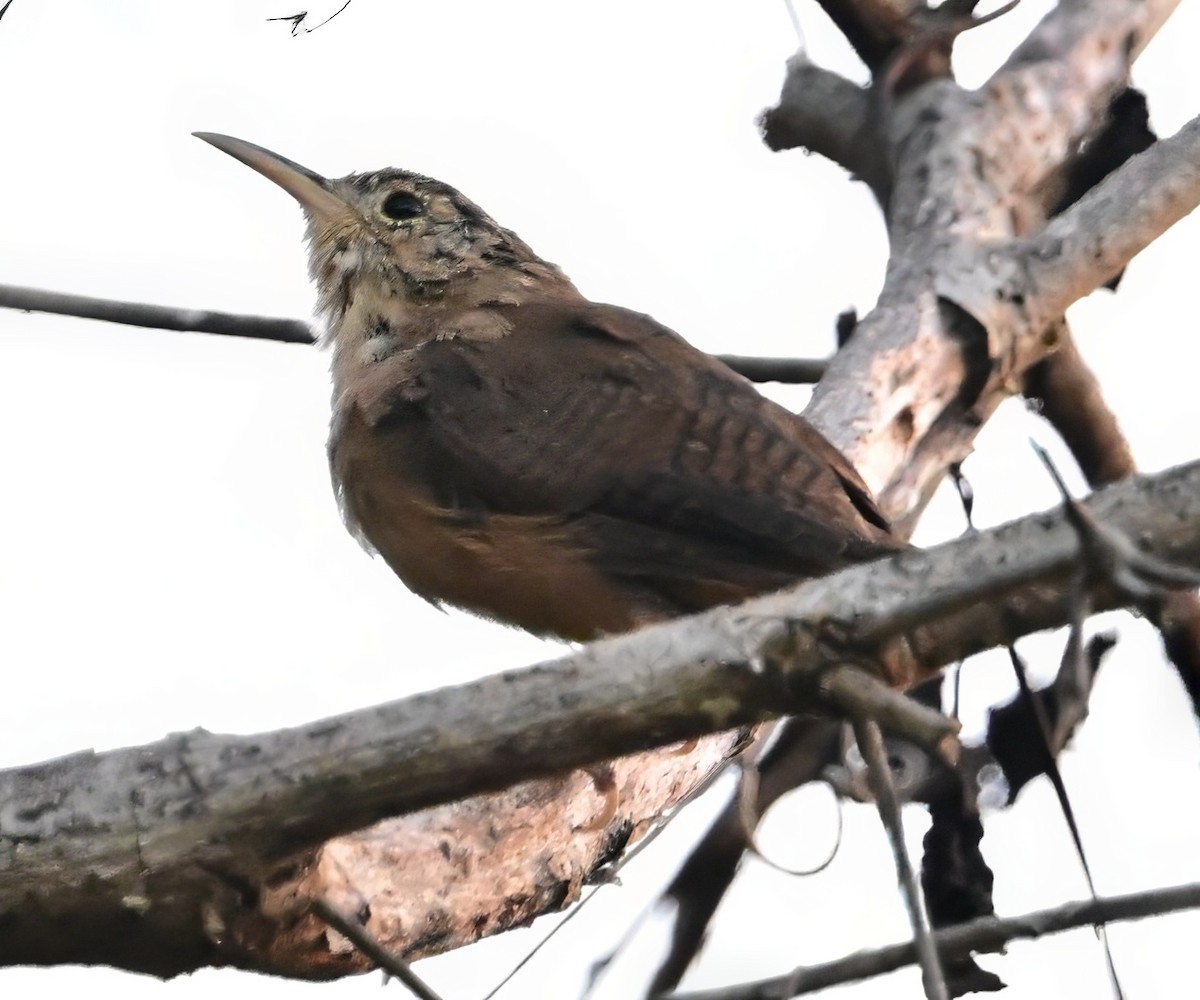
{"x": 511, "y": 448}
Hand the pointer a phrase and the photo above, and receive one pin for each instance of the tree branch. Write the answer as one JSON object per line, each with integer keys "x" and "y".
{"x": 825, "y": 113}
{"x": 802, "y": 748}
{"x": 796, "y": 371}
{"x": 879, "y": 776}
{"x": 214, "y": 815}
{"x": 956, "y": 172}
{"x": 291, "y": 331}
{"x": 984, "y": 934}
{"x": 354, "y": 931}
{"x": 1090, "y": 242}
{"x": 792, "y": 371}
{"x": 1088, "y": 27}
{"x": 874, "y": 28}
{"x": 1071, "y": 401}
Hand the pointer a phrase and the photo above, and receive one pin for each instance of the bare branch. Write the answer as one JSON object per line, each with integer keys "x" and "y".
{"x": 297, "y": 20}
{"x": 823, "y": 112}
{"x": 1081, "y": 249}
{"x": 965, "y": 307}
{"x": 365, "y": 942}
{"x": 1070, "y": 399}
{"x": 802, "y": 749}
{"x": 291, "y": 331}
{"x": 879, "y": 775}
{"x": 797, "y": 371}
{"x": 984, "y": 934}
{"x": 793, "y": 371}
{"x": 1098, "y": 27}
{"x": 874, "y": 28}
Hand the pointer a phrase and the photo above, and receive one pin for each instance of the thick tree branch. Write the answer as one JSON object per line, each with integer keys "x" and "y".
{"x": 985, "y": 934}
{"x": 1060, "y": 82}
{"x": 1087, "y": 29}
{"x": 1071, "y": 401}
{"x": 874, "y": 28}
{"x": 202, "y": 818}
{"x": 825, "y": 113}
{"x": 1085, "y": 246}
{"x": 961, "y": 174}
{"x": 959, "y": 321}
{"x": 879, "y": 777}
{"x": 354, "y": 931}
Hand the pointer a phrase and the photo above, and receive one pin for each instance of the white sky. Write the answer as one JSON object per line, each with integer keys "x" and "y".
{"x": 170, "y": 554}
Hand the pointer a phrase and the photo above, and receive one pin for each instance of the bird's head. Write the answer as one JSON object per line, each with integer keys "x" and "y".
{"x": 393, "y": 234}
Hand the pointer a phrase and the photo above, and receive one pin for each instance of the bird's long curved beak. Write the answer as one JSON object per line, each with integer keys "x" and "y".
{"x": 306, "y": 186}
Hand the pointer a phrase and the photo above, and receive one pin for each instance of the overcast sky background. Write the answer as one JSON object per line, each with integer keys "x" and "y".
{"x": 170, "y": 553}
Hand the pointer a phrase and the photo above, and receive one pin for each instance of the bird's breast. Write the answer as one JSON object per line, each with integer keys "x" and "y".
{"x": 535, "y": 571}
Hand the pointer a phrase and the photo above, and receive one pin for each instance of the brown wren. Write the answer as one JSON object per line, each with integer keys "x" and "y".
{"x": 512, "y": 448}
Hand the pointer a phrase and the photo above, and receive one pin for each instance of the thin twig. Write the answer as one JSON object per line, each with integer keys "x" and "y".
{"x": 1038, "y": 710}
{"x": 1072, "y": 403}
{"x": 291, "y": 331}
{"x": 859, "y": 694}
{"x": 799, "y": 751}
{"x": 365, "y": 942}
{"x": 870, "y": 743}
{"x": 1081, "y": 249}
{"x": 609, "y": 876}
{"x": 1137, "y": 573}
{"x": 796, "y": 371}
{"x": 987, "y": 934}
{"x": 793, "y": 371}
{"x": 821, "y": 111}
{"x": 746, "y": 797}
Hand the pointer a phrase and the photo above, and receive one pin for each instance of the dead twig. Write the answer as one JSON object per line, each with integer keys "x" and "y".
{"x": 795, "y": 371}
{"x": 291, "y": 331}
{"x": 365, "y": 941}
{"x": 1093, "y": 239}
{"x": 792, "y": 371}
{"x": 879, "y": 774}
{"x": 987, "y": 934}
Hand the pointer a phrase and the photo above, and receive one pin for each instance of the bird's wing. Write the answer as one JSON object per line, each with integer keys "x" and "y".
{"x": 669, "y": 465}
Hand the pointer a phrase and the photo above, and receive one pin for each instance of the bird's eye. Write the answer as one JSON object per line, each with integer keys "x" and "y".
{"x": 400, "y": 205}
